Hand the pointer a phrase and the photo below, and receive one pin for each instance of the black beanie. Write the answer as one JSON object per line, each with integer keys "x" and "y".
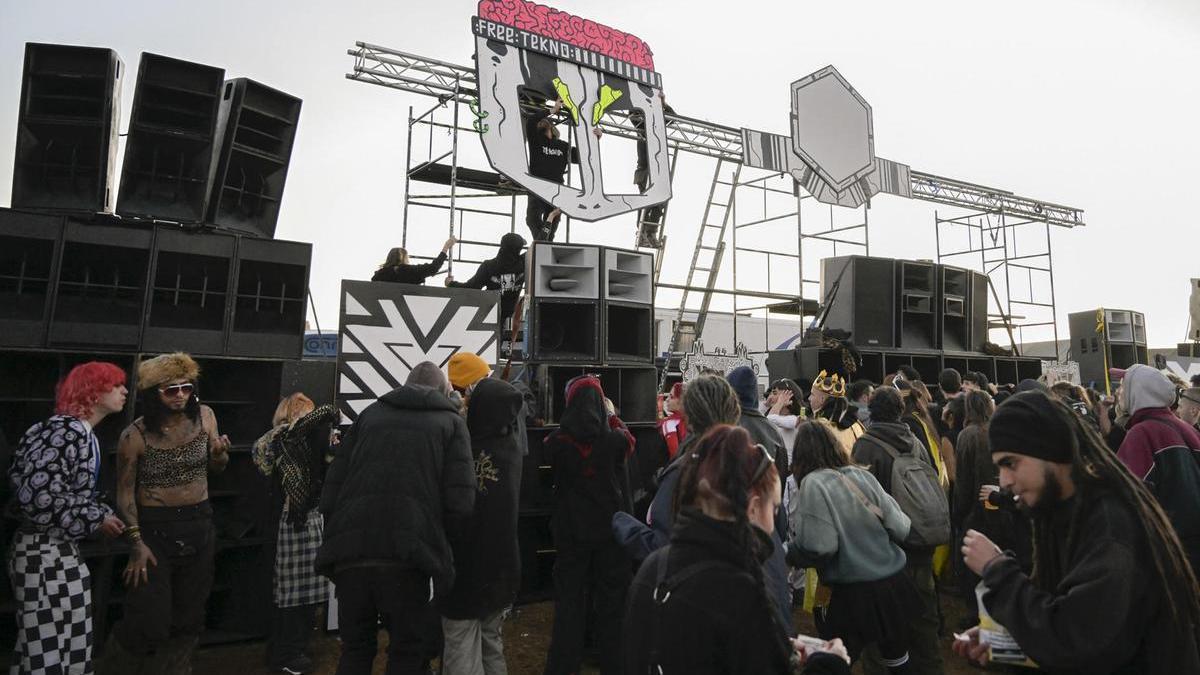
{"x": 1027, "y": 424}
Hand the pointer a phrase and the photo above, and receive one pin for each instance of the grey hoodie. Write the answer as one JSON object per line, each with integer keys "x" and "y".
{"x": 1145, "y": 387}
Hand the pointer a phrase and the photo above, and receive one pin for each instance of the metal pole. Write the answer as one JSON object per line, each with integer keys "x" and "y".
{"x": 733, "y": 217}
{"x": 1053, "y": 304}
{"x": 453, "y": 177}
{"x": 407, "y": 180}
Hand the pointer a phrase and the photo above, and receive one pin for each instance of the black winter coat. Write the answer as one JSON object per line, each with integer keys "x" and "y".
{"x": 718, "y": 621}
{"x": 402, "y": 475}
{"x": 487, "y": 560}
{"x": 1107, "y": 614}
{"x": 504, "y": 273}
{"x": 588, "y": 454}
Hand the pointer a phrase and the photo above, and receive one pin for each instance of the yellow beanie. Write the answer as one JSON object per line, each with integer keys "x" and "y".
{"x": 466, "y": 369}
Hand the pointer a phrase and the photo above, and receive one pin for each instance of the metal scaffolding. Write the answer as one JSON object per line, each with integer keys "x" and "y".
{"x": 1019, "y": 276}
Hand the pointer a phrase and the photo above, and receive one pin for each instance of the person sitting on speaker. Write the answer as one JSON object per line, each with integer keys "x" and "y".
{"x": 504, "y": 273}
{"x": 54, "y": 476}
{"x": 548, "y": 159}
{"x": 397, "y": 268}
{"x": 163, "y": 461}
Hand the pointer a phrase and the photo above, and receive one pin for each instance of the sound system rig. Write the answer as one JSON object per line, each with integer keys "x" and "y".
{"x": 180, "y": 257}
{"x": 590, "y": 311}
{"x": 1106, "y": 338}
{"x": 903, "y": 312}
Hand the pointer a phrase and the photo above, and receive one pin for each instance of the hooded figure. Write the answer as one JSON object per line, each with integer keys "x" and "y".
{"x": 504, "y": 273}
{"x": 486, "y": 558}
{"x": 588, "y": 455}
{"x": 1163, "y": 451}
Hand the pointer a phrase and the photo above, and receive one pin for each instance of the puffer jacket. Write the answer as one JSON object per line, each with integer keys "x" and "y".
{"x": 403, "y": 475}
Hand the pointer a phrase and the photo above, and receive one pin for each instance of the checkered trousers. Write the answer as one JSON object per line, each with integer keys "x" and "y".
{"x": 53, "y": 591}
{"x": 296, "y": 580}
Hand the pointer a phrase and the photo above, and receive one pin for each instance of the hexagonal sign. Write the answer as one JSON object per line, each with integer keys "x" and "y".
{"x": 831, "y": 128}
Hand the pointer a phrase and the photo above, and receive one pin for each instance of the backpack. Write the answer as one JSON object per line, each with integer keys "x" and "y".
{"x": 917, "y": 491}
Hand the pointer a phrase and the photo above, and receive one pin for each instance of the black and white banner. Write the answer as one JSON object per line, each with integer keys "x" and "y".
{"x": 385, "y": 329}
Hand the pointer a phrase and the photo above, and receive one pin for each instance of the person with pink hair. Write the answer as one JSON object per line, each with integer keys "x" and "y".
{"x": 55, "y": 475}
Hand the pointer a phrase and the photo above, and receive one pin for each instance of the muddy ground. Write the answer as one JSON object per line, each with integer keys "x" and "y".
{"x": 526, "y": 638}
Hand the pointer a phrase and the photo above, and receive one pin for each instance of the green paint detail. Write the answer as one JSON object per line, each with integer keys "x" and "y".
{"x": 477, "y": 123}
{"x": 608, "y": 96}
{"x": 564, "y": 94}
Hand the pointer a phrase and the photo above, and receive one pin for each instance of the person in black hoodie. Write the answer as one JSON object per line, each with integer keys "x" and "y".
{"x": 876, "y": 450}
{"x": 397, "y": 268}
{"x": 400, "y": 479}
{"x": 487, "y": 561}
{"x": 588, "y": 454}
{"x": 504, "y": 273}
{"x": 699, "y": 605}
{"x": 1111, "y": 589}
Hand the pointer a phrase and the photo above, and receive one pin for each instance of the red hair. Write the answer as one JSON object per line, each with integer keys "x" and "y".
{"x": 84, "y": 385}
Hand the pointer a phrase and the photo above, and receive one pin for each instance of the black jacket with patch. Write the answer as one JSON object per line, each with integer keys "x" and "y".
{"x": 487, "y": 559}
{"x": 410, "y": 274}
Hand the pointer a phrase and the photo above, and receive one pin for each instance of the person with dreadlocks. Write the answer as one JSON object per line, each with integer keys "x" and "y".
{"x": 700, "y": 605}
{"x": 1111, "y": 589}
{"x": 828, "y": 401}
{"x": 588, "y": 454}
{"x": 849, "y": 529}
{"x": 292, "y": 455}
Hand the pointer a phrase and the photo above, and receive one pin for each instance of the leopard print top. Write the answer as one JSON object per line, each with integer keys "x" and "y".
{"x": 173, "y": 467}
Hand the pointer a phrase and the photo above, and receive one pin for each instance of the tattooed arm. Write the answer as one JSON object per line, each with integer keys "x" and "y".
{"x": 129, "y": 449}
{"x": 218, "y": 446}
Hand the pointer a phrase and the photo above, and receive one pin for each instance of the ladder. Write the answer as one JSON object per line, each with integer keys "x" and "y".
{"x": 706, "y": 257}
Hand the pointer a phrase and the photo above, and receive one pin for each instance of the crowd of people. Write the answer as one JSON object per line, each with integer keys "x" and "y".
{"x": 1069, "y": 518}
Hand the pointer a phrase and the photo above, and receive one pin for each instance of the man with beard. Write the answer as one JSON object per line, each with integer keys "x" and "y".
{"x": 1111, "y": 589}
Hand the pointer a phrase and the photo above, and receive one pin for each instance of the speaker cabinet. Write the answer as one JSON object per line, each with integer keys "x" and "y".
{"x": 168, "y": 152}
{"x": 564, "y": 272}
{"x": 633, "y": 390}
{"x": 978, "y": 311}
{"x": 956, "y": 303}
{"x": 257, "y": 129}
{"x": 918, "y": 305}
{"x": 67, "y": 129}
{"x": 864, "y": 303}
{"x": 628, "y": 307}
{"x": 189, "y": 295}
{"x": 29, "y": 252}
{"x": 270, "y": 296}
{"x": 101, "y": 290}
{"x": 564, "y": 330}
{"x": 1120, "y": 344}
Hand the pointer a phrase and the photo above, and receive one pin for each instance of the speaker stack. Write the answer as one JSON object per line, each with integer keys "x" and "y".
{"x": 904, "y": 313}
{"x": 1118, "y": 342}
{"x": 201, "y": 151}
{"x": 592, "y": 311}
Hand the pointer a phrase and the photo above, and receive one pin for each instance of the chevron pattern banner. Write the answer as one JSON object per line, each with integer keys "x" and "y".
{"x": 385, "y": 329}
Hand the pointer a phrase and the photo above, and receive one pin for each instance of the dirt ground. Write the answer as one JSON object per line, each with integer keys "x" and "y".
{"x": 526, "y": 639}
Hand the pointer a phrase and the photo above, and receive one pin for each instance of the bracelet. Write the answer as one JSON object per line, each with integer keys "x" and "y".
{"x": 133, "y": 533}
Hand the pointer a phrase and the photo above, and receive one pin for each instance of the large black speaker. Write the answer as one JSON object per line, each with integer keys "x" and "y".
{"x": 101, "y": 291}
{"x": 564, "y": 292}
{"x": 955, "y": 308}
{"x": 67, "y": 129}
{"x": 168, "y": 152}
{"x": 189, "y": 295}
{"x": 258, "y": 127}
{"x": 29, "y": 253}
{"x": 978, "y": 310}
{"x": 270, "y": 295}
{"x": 865, "y": 300}
{"x": 632, "y": 390}
{"x": 1107, "y": 338}
{"x": 918, "y": 297}
{"x": 628, "y": 307}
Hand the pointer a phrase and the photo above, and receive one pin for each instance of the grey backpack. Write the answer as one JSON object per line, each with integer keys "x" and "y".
{"x": 917, "y": 491}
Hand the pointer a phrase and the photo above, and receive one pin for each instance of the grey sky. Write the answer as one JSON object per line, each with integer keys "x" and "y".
{"x": 1088, "y": 103}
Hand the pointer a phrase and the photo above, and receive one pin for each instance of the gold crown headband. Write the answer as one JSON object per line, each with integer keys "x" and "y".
{"x": 831, "y": 384}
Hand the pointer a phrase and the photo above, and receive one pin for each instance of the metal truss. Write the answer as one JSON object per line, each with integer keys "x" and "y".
{"x": 953, "y": 192}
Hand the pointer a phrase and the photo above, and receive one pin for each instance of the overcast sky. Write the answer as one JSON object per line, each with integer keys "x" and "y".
{"x": 1090, "y": 103}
